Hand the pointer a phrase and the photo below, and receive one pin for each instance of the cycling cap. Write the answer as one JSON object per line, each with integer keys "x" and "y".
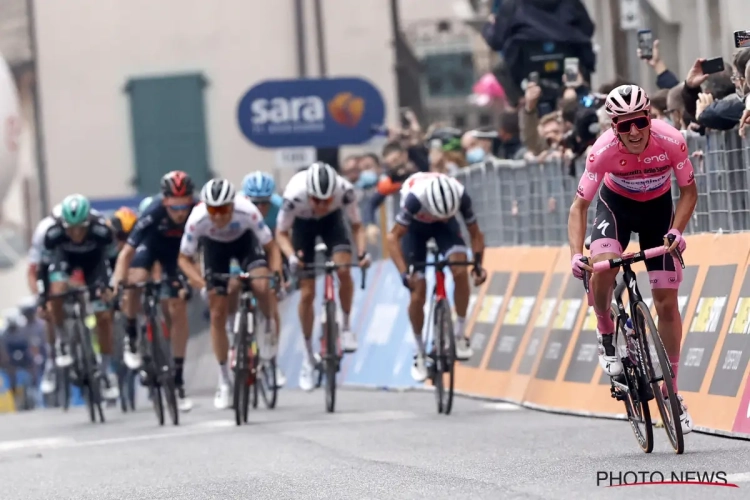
{"x": 123, "y": 221}
{"x": 145, "y": 202}
{"x": 75, "y": 210}
{"x": 176, "y": 183}
{"x": 443, "y": 198}
{"x": 627, "y": 99}
{"x": 217, "y": 192}
{"x": 258, "y": 185}
{"x": 321, "y": 180}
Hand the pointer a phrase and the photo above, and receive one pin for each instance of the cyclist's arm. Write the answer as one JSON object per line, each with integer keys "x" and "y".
{"x": 393, "y": 240}
{"x": 31, "y": 275}
{"x": 189, "y": 247}
{"x": 143, "y": 227}
{"x": 351, "y": 209}
{"x": 283, "y": 225}
{"x": 475, "y": 234}
{"x": 587, "y": 188}
{"x": 688, "y": 193}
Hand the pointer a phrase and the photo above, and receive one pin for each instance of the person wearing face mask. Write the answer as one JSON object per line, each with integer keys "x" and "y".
{"x": 478, "y": 146}
{"x": 706, "y": 108}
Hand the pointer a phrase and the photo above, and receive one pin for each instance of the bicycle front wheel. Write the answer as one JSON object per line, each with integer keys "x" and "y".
{"x": 658, "y": 368}
{"x": 268, "y": 384}
{"x": 445, "y": 356}
{"x": 636, "y": 403}
{"x": 331, "y": 360}
{"x": 241, "y": 373}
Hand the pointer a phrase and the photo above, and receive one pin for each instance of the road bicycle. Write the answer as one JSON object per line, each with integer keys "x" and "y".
{"x": 248, "y": 367}
{"x": 440, "y": 335}
{"x": 157, "y": 372}
{"x": 126, "y": 378}
{"x": 331, "y": 353}
{"x": 637, "y": 348}
{"x": 85, "y": 371}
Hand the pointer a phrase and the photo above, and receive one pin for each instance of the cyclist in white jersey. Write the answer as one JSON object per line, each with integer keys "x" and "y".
{"x": 429, "y": 204}
{"x": 230, "y": 227}
{"x": 315, "y": 201}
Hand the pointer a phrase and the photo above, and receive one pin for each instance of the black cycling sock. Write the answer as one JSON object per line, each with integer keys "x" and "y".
{"x": 131, "y": 329}
{"x": 609, "y": 348}
{"x": 179, "y": 363}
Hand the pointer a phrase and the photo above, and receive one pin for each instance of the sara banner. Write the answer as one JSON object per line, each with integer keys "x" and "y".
{"x": 310, "y": 112}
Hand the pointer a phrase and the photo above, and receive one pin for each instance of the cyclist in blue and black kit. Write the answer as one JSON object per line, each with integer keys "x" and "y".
{"x": 260, "y": 188}
{"x": 156, "y": 238}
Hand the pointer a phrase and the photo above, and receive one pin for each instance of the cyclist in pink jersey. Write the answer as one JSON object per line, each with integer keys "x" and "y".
{"x": 635, "y": 160}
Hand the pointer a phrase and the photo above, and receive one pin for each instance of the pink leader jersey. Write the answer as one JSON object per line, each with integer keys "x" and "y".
{"x": 640, "y": 177}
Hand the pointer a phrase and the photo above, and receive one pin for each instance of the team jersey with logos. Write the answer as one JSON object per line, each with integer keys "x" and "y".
{"x": 155, "y": 222}
{"x": 98, "y": 237}
{"x": 297, "y": 204}
{"x": 640, "y": 177}
{"x": 414, "y": 200}
{"x": 245, "y": 217}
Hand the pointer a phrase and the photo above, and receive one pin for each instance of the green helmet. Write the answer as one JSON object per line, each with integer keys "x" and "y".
{"x": 75, "y": 210}
{"x": 145, "y": 203}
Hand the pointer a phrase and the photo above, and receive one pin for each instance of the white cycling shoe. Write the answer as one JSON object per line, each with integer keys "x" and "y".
{"x": 223, "y": 397}
{"x": 307, "y": 373}
{"x": 464, "y": 352}
{"x": 608, "y": 358}
{"x": 418, "y": 369}
{"x": 686, "y": 421}
{"x": 348, "y": 341}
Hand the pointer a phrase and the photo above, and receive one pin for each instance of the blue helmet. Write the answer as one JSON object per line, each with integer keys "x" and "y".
{"x": 258, "y": 185}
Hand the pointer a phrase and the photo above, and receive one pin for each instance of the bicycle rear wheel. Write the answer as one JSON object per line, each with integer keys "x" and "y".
{"x": 157, "y": 402}
{"x": 63, "y": 389}
{"x": 254, "y": 371}
{"x": 636, "y": 404}
{"x": 651, "y": 345}
{"x": 445, "y": 356}
{"x": 332, "y": 356}
{"x": 241, "y": 373}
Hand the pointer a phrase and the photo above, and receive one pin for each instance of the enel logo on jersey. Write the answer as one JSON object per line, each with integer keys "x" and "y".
{"x": 310, "y": 112}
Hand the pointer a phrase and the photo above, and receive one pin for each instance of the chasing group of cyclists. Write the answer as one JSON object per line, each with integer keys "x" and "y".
{"x": 183, "y": 240}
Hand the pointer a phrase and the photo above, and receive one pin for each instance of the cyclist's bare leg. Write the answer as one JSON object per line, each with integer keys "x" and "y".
{"x": 307, "y": 313}
{"x": 262, "y": 290}
{"x": 55, "y": 306}
{"x": 346, "y": 286}
{"x": 217, "y": 305}
{"x": 669, "y": 325}
{"x": 416, "y": 310}
{"x": 602, "y": 287}
{"x": 105, "y": 336}
{"x": 461, "y": 291}
{"x": 178, "y": 328}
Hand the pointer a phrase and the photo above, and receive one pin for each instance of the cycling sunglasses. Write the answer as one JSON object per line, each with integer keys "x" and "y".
{"x": 220, "y": 210}
{"x": 640, "y": 123}
{"x": 319, "y": 201}
{"x": 179, "y": 207}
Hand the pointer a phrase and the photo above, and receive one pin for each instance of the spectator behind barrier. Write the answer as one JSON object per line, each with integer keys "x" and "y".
{"x": 477, "y": 144}
{"x": 665, "y": 79}
{"x": 659, "y": 106}
{"x": 508, "y": 145}
{"x": 711, "y": 109}
{"x": 676, "y": 108}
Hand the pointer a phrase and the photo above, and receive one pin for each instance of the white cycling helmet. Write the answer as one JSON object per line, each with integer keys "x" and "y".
{"x": 217, "y": 192}
{"x": 626, "y": 99}
{"x": 321, "y": 180}
{"x": 443, "y": 197}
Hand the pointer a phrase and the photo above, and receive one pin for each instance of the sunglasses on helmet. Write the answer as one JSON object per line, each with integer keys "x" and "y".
{"x": 641, "y": 122}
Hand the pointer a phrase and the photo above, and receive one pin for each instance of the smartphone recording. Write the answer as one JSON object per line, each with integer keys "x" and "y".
{"x": 742, "y": 39}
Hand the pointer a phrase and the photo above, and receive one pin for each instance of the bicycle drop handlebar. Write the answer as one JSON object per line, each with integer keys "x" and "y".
{"x": 245, "y": 278}
{"x": 629, "y": 259}
{"x": 329, "y": 267}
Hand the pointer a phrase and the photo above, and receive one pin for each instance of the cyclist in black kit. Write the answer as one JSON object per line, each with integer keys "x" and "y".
{"x": 156, "y": 238}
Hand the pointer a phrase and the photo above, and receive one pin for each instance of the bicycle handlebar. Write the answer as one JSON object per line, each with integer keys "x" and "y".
{"x": 75, "y": 290}
{"x": 329, "y": 267}
{"x": 630, "y": 258}
{"x": 245, "y": 277}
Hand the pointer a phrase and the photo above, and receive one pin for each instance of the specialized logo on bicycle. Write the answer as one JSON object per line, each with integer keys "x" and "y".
{"x": 610, "y": 479}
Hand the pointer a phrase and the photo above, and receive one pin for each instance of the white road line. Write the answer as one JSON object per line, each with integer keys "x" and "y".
{"x": 52, "y": 442}
{"x": 740, "y": 477}
{"x": 502, "y": 406}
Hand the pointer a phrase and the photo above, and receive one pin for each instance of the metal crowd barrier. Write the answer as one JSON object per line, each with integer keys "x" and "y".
{"x": 526, "y": 203}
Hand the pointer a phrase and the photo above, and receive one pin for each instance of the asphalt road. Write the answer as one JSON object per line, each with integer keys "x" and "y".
{"x": 379, "y": 445}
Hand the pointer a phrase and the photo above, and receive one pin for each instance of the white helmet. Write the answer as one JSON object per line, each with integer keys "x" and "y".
{"x": 217, "y": 192}
{"x": 443, "y": 197}
{"x": 626, "y": 99}
{"x": 321, "y": 180}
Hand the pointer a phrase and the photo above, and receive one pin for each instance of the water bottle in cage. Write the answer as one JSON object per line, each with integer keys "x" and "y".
{"x": 630, "y": 346}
